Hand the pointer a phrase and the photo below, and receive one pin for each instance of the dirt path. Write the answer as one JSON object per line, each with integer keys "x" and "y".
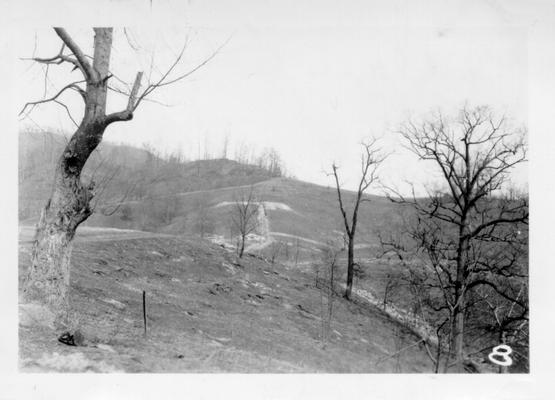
{"x": 185, "y": 194}
{"x": 94, "y": 234}
{"x": 287, "y": 235}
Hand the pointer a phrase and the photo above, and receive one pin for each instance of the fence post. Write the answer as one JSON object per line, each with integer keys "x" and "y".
{"x": 144, "y": 312}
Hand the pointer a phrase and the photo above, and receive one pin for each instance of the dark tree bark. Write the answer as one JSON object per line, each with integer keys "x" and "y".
{"x": 47, "y": 281}
{"x": 468, "y": 231}
{"x": 350, "y": 264}
{"x": 69, "y": 203}
{"x": 371, "y": 160}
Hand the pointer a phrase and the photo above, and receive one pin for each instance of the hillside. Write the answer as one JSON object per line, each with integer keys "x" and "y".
{"x": 206, "y": 313}
{"x": 165, "y": 226}
{"x": 123, "y": 172}
{"x": 138, "y": 190}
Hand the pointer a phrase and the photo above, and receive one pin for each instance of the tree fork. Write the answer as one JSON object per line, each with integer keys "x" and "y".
{"x": 69, "y": 205}
{"x": 48, "y": 277}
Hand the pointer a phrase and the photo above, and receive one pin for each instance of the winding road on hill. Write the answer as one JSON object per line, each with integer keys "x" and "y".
{"x": 93, "y": 234}
{"x": 185, "y": 194}
{"x": 263, "y": 222}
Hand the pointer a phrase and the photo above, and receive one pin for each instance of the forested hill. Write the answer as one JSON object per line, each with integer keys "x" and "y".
{"x": 126, "y": 173}
{"x": 138, "y": 189}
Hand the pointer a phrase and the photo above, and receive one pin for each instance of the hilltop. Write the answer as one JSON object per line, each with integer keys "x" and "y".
{"x": 139, "y": 190}
{"x": 125, "y": 173}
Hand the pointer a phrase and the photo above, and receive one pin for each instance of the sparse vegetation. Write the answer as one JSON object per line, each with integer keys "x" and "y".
{"x": 261, "y": 317}
{"x": 250, "y": 284}
{"x": 325, "y": 280}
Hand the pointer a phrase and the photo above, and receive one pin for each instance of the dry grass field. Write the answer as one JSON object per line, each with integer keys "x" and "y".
{"x": 206, "y": 312}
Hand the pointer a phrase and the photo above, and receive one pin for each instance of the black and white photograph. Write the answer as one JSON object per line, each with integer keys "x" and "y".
{"x": 309, "y": 191}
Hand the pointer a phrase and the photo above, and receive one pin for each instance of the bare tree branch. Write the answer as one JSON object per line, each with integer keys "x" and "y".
{"x": 127, "y": 114}
{"x": 371, "y": 159}
{"x": 81, "y": 62}
{"x": 467, "y": 231}
{"x": 32, "y": 104}
{"x": 163, "y": 81}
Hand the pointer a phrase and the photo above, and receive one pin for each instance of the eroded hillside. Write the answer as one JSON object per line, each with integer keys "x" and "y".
{"x": 207, "y": 312}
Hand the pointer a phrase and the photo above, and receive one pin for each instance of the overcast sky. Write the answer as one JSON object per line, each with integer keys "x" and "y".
{"x": 312, "y": 82}
{"x": 310, "y": 78}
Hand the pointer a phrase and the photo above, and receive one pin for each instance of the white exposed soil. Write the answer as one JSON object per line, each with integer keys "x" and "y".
{"x": 287, "y": 235}
{"x": 412, "y": 321}
{"x": 268, "y": 205}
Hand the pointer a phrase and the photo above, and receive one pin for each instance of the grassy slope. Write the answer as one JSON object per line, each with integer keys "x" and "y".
{"x": 315, "y": 214}
{"x": 207, "y": 314}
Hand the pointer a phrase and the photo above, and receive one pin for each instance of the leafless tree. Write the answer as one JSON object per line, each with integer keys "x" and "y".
{"x": 325, "y": 280}
{"x": 225, "y": 147}
{"x": 468, "y": 234}
{"x": 371, "y": 159}
{"x": 275, "y": 249}
{"x": 207, "y": 155}
{"x": 244, "y": 217}
{"x": 241, "y": 153}
{"x": 270, "y": 160}
{"x": 414, "y": 286}
{"x": 391, "y": 285}
{"x": 70, "y": 201}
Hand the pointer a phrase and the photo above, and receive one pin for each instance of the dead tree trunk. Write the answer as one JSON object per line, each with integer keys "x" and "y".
{"x": 70, "y": 202}
{"x": 371, "y": 159}
{"x": 460, "y": 296}
{"x": 69, "y": 205}
{"x": 242, "y": 246}
{"x": 350, "y": 267}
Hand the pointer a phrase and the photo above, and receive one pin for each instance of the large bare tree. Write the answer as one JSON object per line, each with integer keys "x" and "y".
{"x": 69, "y": 204}
{"x": 371, "y": 159}
{"x": 469, "y": 232}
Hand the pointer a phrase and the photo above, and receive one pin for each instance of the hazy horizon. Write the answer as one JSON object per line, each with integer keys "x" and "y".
{"x": 311, "y": 89}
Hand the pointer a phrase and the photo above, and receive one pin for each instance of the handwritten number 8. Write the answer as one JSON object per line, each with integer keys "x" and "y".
{"x": 502, "y": 351}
